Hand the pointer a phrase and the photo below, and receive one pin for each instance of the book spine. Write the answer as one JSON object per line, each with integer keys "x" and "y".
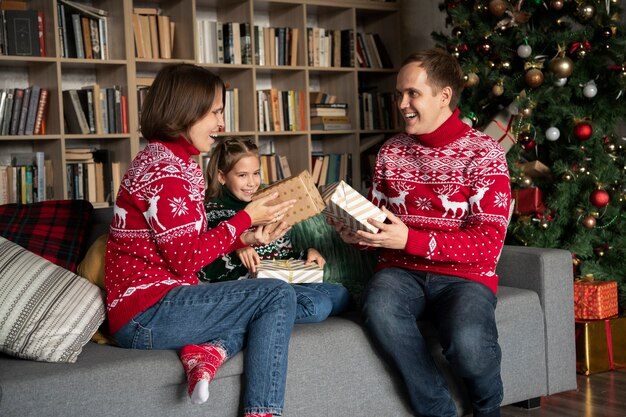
{"x": 41, "y": 110}
{"x": 78, "y": 36}
{"x": 18, "y": 99}
{"x": 40, "y": 35}
{"x": 24, "y": 111}
{"x": 33, "y": 104}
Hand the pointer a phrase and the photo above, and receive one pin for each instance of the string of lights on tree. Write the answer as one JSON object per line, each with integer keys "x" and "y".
{"x": 547, "y": 79}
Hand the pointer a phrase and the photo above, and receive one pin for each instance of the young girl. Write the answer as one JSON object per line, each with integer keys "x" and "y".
{"x": 159, "y": 241}
{"x": 233, "y": 177}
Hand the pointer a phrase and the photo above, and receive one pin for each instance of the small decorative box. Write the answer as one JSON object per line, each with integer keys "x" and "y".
{"x": 300, "y": 187}
{"x": 291, "y": 270}
{"x": 345, "y": 204}
{"x": 594, "y": 300}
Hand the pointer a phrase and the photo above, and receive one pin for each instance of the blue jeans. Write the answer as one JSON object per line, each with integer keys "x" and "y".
{"x": 317, "y": 301}
{"x": 463, "y": 312}
{"x": 256, "y": 312}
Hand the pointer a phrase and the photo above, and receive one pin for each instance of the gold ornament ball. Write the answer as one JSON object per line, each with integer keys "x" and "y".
{"x": 526, "y": 181}
{"x": 497, "y": 90}
{"x": 527, "y": 112}
{"x": 556, "y": 5}
{"x": 581, "y": 53}
{"x": 562, "y": 66}
{"x": 586, "y": 11}
{"x": 533, "y": 78}
{"x": 497, "y": 7}
{"x": 471, "y": 80}
{"x": 588, "y": 222}
{"x": 576, "y": 261}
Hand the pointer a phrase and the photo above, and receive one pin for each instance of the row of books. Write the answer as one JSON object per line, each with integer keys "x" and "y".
{"x": 27, "y": 180}
{"x": 281, "y": 111}
{"x": 154, "y": 33}
{"x": 274, "y": 167}
{"x": 83, "y": 30}
{"x": 379, "y": 111}
{"x": 21, "y": 32}
{"x": 371, "y": 52}
{"x": 23, "y": 110}
{"x": 330, "y": 48}
{"x": 330, "y": 168}
{"x": 95, "y": 110}
{"x": 91, "y": 175}
{"x": 231, "y": 43}
{"x": 231, "y": 110}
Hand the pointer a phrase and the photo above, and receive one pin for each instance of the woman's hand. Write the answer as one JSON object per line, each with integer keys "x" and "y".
{"x": 261, "y": 212}
{"x": 249, "y": 258}
{"x": 262, "y": 235}
{"x": 313, "y": 256}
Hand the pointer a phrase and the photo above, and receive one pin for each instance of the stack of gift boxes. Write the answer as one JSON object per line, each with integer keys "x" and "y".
{"x": 340, "y": 202}
{"x": 600, "y": 331}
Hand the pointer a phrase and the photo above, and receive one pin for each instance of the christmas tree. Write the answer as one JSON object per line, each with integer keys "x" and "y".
{"x": 547, "y": 79}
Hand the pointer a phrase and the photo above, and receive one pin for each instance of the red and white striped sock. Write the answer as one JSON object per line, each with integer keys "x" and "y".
{"x": 201, "y": 362}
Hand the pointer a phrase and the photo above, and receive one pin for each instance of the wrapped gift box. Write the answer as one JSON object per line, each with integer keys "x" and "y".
{"x": 600, "y": 345}
{"x": 300, "y": 187}
{"x": 528, "y": 201}
{"x": 595, "y": 300}
{"x": 535, "y": 169}
{"x": 500, "y": 129}
{"x": 291, "y": 270}
{"x": 344, "y": 203}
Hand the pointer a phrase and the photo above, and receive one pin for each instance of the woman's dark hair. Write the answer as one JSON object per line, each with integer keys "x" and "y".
{"x": 179, "y": 96}
{"x": 443, "y": 70}
{"x": 225, "y": 154}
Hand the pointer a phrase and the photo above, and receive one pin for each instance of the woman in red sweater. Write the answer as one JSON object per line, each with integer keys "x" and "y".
{"x": 159, "y": 241}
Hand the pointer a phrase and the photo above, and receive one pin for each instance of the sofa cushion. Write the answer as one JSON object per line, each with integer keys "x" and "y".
{"x": 92, "y": 265}
{"x": 47, "y": 312}
{"x": 53, "y": 229}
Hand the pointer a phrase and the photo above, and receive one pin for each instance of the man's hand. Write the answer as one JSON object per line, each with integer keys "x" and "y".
{"x": 313, "y": 256}
{"x": 249, "y": 258}
{"x": 390, "y": 236}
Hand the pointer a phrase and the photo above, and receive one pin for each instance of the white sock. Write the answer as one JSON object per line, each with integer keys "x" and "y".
{"x": 200, "y": 393}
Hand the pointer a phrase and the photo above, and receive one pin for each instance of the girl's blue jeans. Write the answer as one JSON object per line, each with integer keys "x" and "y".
{"x": 463, "y": 312}
{"x": 258, "y": 313}
{"x": 317, "y": 301}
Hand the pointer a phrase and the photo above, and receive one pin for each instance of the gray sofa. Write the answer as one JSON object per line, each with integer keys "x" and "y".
{"x": 333, "y": 369}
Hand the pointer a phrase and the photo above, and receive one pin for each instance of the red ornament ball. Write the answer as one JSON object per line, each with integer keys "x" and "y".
{"x": 599, "y": 198}
{"x": 583, "y": 131}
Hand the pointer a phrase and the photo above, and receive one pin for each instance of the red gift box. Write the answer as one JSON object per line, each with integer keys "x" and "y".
{"x": 528, "y": 201}
{"x": 595, "y": 300}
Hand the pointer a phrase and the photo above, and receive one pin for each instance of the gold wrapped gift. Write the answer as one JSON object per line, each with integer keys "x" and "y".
{"x": 291, "y": 270}
{"x": 344, "y": 203}
{"x": 600, "y": 345}
{"x": 301, "y": 188}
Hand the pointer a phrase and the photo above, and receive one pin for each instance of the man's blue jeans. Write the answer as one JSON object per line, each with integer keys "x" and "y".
{"x": 463, "y": 312}
{"x": 257, "y": 312}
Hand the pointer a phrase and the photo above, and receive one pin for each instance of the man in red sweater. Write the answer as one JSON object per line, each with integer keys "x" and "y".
{"x": 445, "y": 189}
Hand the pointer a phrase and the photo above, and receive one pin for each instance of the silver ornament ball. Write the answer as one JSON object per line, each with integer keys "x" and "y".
{"x": 524, "y": 51}
{"x": 590, "y": 90}
{"x": 553, "y": 133}
{"x": 560, "y": 82}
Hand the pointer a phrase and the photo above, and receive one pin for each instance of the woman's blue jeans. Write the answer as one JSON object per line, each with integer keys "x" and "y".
{"x": 259, "y": 313}
{"x": 316, "y": 301}
{"x": 463, "y": 312}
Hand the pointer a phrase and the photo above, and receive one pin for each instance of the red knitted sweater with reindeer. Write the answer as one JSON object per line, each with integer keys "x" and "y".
{"x": 158, "y": 238}
{"x": 451, "y": 188}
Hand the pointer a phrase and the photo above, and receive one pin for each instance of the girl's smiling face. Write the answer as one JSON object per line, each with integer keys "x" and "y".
{"x": 244, "y": 178}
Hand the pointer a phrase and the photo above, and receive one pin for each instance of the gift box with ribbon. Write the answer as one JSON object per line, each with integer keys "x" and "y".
{"x": 290, "y": 270}
{"x": 500, "y": 129}
{"x": 535, "y": 169}
{"x": 600, "y": 345}
{"x": 594, "y": 300}
{"x": 528, "y": 201}
{"x": 345, "y": 204}
{"x": 300, "y": 187}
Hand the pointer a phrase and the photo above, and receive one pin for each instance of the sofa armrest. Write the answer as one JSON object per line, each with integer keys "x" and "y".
{"x": 549, "y": 273}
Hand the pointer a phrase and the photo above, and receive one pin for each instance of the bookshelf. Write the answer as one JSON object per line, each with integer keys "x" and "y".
{"x": 125, "y": 71}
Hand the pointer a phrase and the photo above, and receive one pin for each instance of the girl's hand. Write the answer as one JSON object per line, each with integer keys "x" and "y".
{"x": 313, "y": 256}
{"x": 261, "y": 212}
{"x": 249, "y": 258}
{"x": 262, "y": 235}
